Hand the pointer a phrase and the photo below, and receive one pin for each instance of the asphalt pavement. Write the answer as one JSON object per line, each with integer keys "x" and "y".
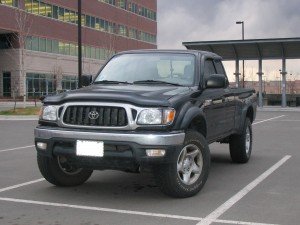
{"x": 264, "y": 191}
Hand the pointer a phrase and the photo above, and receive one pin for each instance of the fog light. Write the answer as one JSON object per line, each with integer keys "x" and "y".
{"x": 155, "y": 152}
{"x": 41, "y": 145}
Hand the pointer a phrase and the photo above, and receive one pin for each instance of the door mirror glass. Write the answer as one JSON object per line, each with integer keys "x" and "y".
{"x": 216, "y": 81}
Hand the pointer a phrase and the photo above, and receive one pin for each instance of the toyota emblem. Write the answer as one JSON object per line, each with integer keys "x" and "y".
{"x": 93, "y": 115}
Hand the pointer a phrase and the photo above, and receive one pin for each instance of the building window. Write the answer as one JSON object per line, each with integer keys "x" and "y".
{"x": 39, "y": 84}
{"x": 55, "y": 12}
{"x": 28, "y": 6}
{"x": 61, "y": 13}
{"x": 49, "y": 46}
{"x": 122, "y": 30}
{"x": 35, "y": 7}
{"x": 42, "y": 9}
{"x": 13, "y": 3}
{"x": 49, "y": 11}
{"x": 63, "y": 48}
{"x": 42, "y": 45}
{"x": 55, "y": 47}
{"x": 69, "y": 83}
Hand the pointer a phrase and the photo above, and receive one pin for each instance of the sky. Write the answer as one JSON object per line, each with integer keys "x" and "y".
{"x": 211, "y": 20}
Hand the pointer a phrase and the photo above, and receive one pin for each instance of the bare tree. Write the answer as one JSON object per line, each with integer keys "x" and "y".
{"x": 292, "y": 85}
{"x": 17, "y": 42}
{"x": 57, "y": 72}
{"x": 110, "y": 47}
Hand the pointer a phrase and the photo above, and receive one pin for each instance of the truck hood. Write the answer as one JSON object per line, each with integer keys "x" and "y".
{"x": 155, "y": 95}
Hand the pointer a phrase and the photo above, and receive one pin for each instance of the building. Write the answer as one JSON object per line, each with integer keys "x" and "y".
{"x": 38, "y": 40}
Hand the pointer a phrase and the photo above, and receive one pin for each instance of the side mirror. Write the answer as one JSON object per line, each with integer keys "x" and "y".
{"x": 86, "y": 80}
{"x": 216, "y": 81}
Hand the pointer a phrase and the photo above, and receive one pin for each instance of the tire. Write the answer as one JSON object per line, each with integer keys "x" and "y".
{"x": 240, "y": 145}
{"x": 188, "y": 170}
{"x": 58, "y": 172}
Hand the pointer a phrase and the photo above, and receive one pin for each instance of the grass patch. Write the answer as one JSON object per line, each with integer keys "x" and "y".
{"x": 21, "y": 111}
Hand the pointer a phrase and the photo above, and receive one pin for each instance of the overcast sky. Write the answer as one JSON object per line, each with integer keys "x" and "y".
{"x": 199, "y": 20}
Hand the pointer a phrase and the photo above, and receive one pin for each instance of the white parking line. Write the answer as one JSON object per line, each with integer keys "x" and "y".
{"x": 232, "y": 222}
{"x": 21, "y": 185}
{"x": 213, "y": 216}
{"x": 129, "y": 212}
{"x": 273, "y": 118}
{"x": 18, "y": 148}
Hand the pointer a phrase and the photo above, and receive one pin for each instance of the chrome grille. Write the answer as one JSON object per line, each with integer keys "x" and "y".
{"x": 102, "y": 116}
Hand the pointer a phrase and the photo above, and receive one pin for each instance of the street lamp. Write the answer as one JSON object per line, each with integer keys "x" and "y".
{"x": 243, "y": 38}
{"x": 79, "y": 46}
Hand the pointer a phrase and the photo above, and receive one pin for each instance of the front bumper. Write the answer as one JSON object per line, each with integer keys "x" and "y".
{"x": 122, "y": 150}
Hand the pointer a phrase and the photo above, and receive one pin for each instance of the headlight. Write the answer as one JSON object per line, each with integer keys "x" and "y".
{"x": 156, "y": 116}
{"x": 49, "y": 113}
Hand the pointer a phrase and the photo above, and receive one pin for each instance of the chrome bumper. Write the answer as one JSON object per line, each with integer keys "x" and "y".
{"x": 163, "y": 139}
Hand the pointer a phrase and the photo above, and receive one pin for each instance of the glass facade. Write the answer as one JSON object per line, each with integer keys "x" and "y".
{"x": 69, "y": 83}
{"x": 40, "y": 84}
{"x": 67, "y": 15}
{"x": 45, "y": 84}
{"x": 13, "y": 3}
{"x": 65, "y": 48}
{"x": 132, "y": 7}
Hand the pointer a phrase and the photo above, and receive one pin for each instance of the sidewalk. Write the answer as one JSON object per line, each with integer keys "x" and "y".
{"x": 35, "y": 118}
{"x": 10, "y": 105}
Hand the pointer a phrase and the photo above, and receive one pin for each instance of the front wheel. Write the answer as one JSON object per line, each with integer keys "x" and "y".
{"x": 240, "y": 145}
{"x": 59, "y": 172}
{"x": 188, "y": 170}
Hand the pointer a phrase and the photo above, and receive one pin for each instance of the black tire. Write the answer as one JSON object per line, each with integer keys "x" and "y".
{"x": 170, "y": 180}
{"x": 53, "y": 172}
{"x": 239, "y": 151}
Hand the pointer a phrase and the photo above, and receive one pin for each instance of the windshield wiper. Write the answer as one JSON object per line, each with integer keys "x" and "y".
{"x": 155, "y": 82}
{"x": 111, "y": 82}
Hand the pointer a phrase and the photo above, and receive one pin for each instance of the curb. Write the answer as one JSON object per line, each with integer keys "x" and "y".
{"x": 31, "y": 118}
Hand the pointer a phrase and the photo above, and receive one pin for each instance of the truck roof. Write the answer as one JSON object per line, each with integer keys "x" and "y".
{"x": 213, "y": 55}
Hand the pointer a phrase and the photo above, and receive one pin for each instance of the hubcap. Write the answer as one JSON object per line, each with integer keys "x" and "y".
{"x": 189, "y": 164}
{"x": 66, "y": 167}
{"x": 248, "y": 141}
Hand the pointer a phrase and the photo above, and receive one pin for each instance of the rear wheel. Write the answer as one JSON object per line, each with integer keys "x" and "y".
{"x": 188, "y": 171}
{"x": 59, "y": 172}
{"x": 240, "y": 145}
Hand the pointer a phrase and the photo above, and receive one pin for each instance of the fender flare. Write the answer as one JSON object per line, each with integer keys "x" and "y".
{"x": 190, "y": 115}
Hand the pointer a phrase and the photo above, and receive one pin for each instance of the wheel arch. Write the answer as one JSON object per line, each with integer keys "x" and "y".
{"x": 194, "y": 119}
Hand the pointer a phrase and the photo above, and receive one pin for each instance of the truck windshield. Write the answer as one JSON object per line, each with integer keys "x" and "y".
{"x": 149, "y": 68}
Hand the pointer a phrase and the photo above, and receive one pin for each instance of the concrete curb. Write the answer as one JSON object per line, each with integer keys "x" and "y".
{"x": 34, "y": 118}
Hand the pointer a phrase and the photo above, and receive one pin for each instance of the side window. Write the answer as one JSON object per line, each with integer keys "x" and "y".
{"x": 209, "y": 68}
{"x": 220, "y": 70}
{"x": 219, "y": 67}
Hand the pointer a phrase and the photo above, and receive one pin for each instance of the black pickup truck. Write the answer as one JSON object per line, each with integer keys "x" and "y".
{"x": 149, "y": 110}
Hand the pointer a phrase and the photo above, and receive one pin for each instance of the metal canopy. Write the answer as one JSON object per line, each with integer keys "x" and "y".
{"x": 251, "y": 49}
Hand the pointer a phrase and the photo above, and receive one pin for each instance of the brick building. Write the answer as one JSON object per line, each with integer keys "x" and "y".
{"x": 38, "y": 40}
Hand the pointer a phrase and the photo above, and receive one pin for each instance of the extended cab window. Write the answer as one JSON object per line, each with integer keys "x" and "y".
{"x": 209, "y": 68}
{"x": 219, "y": 67}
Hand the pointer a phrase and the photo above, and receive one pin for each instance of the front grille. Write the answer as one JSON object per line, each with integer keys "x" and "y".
{"x": 106, "y": 116}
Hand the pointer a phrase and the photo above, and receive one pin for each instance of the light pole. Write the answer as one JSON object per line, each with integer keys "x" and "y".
{"x": 243, "y": 38}
{"x": 79, "y": 45}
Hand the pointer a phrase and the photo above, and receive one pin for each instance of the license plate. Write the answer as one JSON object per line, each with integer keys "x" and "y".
{"x": 90, "y": 148}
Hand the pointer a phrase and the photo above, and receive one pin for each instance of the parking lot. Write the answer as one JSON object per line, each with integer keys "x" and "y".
{"x": 264, "y": 191}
